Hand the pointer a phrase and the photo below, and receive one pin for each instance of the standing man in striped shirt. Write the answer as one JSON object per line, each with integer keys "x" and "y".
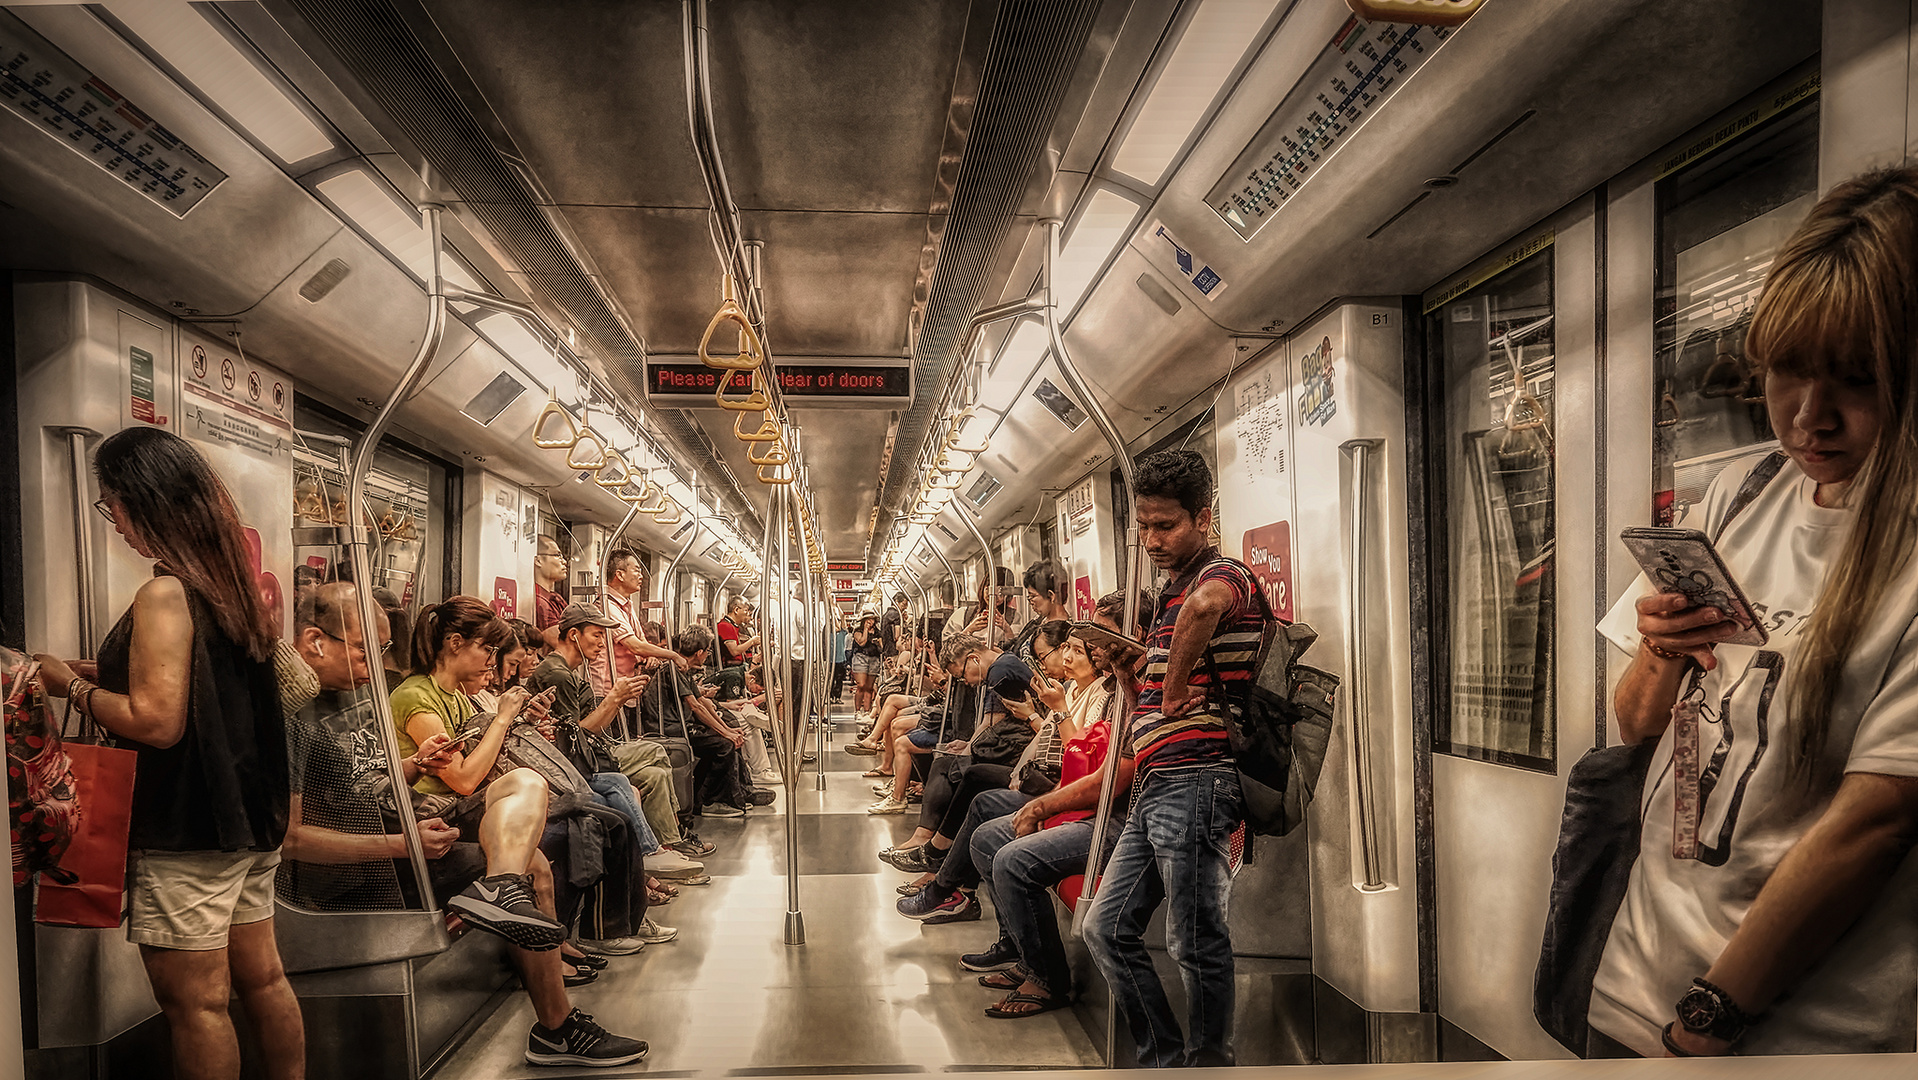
{"x": 1186, "y": 821}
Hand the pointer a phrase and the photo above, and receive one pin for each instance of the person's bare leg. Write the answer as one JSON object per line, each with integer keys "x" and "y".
{"x": 902, "y": 749}
{"x": 515, "y": 817}
{"x": 192, "y": 989}
{"x": 541, "y": 972}
{"x": 272, "y": 1010}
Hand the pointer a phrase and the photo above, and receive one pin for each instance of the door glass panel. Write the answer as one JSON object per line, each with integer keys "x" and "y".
{"x": 1720, "y": 219}
{"x": 1495, "y": 423}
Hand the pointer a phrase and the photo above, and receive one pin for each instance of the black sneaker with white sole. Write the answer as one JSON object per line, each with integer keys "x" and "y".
{"x": 691, "y": 846}
{"x": 965, "y": 910}
{"x": 503, "y": 904}
{"x": 1001, "y": 955}
{"x": 579, "y": 1041}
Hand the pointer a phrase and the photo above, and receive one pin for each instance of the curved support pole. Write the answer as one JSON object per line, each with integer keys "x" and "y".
{"x": 1135, "y": 579}
{"x": 774, "y": 610}
{"x": 672, "y": 580}
{"x": 359, "y": 549}
{"x": 605, "y": 562}
{"x": 991, "y": 599}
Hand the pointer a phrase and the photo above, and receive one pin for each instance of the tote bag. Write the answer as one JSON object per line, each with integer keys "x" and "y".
{"x": 97, "y": 857}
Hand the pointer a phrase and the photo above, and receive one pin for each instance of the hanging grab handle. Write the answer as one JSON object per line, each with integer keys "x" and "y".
{"x": 753, "y": 402}
{"x": 776, "y": 454}
{"x": 588, "y": 453}
{"x": 555, "y": 411}
{"x": 752, "y": 352}
{"x": 673, "y": 516}
{"x": 767, "y": 432}
{"x": 614, "y": 473}
{"x": 781, "y": 475}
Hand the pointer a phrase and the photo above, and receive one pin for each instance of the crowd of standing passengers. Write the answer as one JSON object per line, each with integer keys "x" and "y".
{"x": 553, "y": 770}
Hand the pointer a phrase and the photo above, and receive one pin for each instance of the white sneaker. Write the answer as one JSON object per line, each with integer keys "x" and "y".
{"x": 887, "y": 805}
{"x": 667, "y": 863}
{"x": 768, "y": 779}
{"x": 752, "y": 715}
{"x": 652, "y": 933}
{"x": 625, "y": 946}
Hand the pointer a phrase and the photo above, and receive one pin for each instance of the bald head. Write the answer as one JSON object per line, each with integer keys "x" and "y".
{"x": 327, "y": 635}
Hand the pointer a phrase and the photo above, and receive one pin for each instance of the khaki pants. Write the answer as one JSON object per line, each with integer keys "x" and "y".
{"x": 645, "y": 763}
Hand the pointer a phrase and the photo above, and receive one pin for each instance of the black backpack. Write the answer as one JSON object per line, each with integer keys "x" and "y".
{"x": 1280, "y": 725}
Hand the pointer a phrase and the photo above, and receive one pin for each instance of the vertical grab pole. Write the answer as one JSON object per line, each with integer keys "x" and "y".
{"x": 359, "y": 551}
{"x": 1363, "y": 789}
{"x": 775, "y": 605}
{"x": 672, "y": 579}
{"x": 605, "y": 565}
{"x": 803, "y": 635}
{"x": 1135, "y": 579}
{"x": 82, "y": 535}
{"x": 991, "y": 606}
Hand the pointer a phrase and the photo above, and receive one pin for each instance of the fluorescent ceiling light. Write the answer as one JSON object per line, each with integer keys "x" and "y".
{"x": 1104, "y": 225}
{"x": 1027, "y": 346}
{"x": 393, "y": 227}
{"x": 1211, "y": 47}
{"x": 512, "y": 338}
{"x": 205, "y": 58}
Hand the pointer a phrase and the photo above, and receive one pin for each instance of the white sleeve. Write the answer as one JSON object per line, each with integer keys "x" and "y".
{"x": 1620, "y": 625}
{"x": 1887, "y": 738}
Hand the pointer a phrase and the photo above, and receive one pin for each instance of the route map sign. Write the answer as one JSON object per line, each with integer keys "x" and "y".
{"x": 1357, "y": 72}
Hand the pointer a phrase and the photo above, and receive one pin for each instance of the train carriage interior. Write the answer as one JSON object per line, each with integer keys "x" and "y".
{"x": 818, "y": 306}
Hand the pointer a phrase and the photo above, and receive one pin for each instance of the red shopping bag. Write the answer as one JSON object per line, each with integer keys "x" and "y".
{"x": 98, "y": 855}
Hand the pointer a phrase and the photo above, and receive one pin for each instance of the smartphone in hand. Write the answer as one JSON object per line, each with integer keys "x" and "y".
{"x": 1684, "y": 561}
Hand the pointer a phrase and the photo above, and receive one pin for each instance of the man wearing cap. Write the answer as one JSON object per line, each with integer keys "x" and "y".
{"x": 583, "y": 631}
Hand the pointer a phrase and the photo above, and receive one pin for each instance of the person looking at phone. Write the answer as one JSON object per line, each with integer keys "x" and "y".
{"x": 625, "y": 601}
{"x": 737, "y": 641}
{"x": 344, "y": 814}
{"x": 1176, "y": 842}
{"x": 455, "y": 646}
{"x": 1778, "y": 913}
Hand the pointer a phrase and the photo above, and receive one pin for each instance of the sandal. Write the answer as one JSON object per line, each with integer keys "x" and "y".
{"x": 1008, "y": 980}
{"x": 581, "y": 976}
{"x": 1042, "y": 1004}
{"x": 596, "y": 963}
{"x": 874, "y": 774}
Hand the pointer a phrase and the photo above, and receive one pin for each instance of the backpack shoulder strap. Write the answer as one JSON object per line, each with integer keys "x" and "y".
{"x": 1748, "y": 492}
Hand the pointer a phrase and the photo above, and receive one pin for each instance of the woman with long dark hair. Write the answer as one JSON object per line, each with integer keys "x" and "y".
{"x": 186, "y": 679}
{"x": 1773, "y": 907}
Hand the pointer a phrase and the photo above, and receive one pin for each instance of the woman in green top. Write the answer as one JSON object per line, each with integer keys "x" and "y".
{"x": 455, "y": 644}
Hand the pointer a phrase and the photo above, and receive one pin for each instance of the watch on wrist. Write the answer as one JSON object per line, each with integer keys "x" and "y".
{"x": 1708, "y": 1010}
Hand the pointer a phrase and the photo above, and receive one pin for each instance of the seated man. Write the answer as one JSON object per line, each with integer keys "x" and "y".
{"x": 741, "y": 697}
{"x": 978, "y": 669}
{"x": 502, "y": 884}
{"x": 721, "y": 786}
{"x": 582, "y": 719}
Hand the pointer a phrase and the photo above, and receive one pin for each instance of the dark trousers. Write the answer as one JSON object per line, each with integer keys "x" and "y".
{"x": 996, "y": 806}
{"x": 719, "y": 774}
{"x": 943, "y": 809}
{"x": 838, "y": 679}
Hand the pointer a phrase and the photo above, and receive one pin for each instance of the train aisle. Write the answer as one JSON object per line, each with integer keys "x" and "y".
{"x": 870, "y": 990}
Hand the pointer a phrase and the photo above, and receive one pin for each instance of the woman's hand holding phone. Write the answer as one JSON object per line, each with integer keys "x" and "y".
{"x": 1051, "y": 693}
{"x": 1671, "y": 622}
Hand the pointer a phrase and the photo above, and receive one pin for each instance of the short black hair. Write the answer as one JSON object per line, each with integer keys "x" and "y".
{"x": 1180, "y": 475}
{"x": 1048, "y": 578}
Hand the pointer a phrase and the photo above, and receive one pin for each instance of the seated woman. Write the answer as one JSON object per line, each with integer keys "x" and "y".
{"x": 1075, "y": 728}
{"x": 344, "y": 814}
{"x": 947, "y": 798}
{"x": 1048, "y": 839}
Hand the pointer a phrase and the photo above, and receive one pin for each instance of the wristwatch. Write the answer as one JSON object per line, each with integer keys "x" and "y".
{"x": 1707, "y": 1010}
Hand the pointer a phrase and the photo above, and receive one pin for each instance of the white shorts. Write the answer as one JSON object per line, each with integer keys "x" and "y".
{"x": 188, "y": 899}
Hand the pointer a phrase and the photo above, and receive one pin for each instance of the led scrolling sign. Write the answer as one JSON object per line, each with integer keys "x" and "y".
{"x": 815, "y": 383}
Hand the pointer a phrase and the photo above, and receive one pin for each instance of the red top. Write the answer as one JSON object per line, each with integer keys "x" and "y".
{"x": 1079, "y": 758}
{"x": 548, "y": 606}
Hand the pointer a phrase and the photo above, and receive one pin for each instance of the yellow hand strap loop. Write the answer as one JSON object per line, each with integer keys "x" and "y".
{"x": 563, "y": 437}
{"x": 751, "y": 352}
{"x": 753, "y": 402}
{"x": 768, "y": 429}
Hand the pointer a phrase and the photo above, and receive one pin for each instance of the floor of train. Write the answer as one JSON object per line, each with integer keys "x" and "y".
{"x": 869, "y": 991}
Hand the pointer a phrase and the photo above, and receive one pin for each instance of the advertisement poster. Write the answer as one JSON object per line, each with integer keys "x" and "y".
{"x": 1268, "y": 551}
{"x": 1082, "y": 599}
{"x": 506, "y": 598}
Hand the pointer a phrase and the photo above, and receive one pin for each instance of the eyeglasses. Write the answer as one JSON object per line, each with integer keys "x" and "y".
{"x": 106, "y": 511}
{"x": 357, "y": 648}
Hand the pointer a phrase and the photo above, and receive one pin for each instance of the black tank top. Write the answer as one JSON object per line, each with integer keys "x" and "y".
{"x": 223, "y": 786}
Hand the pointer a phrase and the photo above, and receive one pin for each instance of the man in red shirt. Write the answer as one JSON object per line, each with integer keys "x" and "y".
{"x": 549, "y": 596}
{"x": 736, "y": 639}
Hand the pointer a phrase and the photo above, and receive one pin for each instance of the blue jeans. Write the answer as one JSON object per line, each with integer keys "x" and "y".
{"x": 616, "y": 791}
{"x": 1019, "y": 870}
{"x": 1174, "y": 846}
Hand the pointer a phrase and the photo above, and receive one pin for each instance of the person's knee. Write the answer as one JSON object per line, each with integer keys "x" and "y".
{"x": 188, "y": 982}
{"x": 519, "y": 784}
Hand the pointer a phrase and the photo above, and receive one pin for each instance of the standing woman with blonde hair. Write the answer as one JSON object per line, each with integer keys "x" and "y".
{"x": 1774, "y": 908}
{"x": 186, "y": 680}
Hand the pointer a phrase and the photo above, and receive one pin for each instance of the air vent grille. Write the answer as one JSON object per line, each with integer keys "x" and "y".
{"x": 983, "y": 489}
{"x": 490, "y": 402}
{"x": 1059, "y": 405}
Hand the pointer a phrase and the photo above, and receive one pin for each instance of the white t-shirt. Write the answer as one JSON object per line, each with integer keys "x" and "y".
{"x": 1678, "y": 914}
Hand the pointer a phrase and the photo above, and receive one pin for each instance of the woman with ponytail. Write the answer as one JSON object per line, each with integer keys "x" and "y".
{"x": 1773, "y": 907}
{"x": 186, "y": 680}
{"x": 456, "y": 646}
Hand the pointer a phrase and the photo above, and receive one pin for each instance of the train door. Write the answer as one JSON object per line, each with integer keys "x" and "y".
{"x": 1312, "y": 460}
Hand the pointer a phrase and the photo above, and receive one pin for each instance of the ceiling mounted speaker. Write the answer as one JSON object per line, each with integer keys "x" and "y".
{"x": 564, "y": 430}
{"x": 588, "y": 452}
{"x": 324, "y": 281}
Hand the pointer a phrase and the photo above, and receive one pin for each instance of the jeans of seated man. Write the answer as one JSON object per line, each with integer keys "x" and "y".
{"x": 616, "y": 791}
{"x": 720, "y": 775}
{"x": 1020, "y": 872}
{"x": 1175, "y": 847}
{"x": 959, "y": 870}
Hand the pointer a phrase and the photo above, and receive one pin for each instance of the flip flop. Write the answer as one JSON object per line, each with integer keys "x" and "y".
{"x": 873, "y": 774}
{"x": 1045, "y": 1004}
{"x": 1007, "y": 980}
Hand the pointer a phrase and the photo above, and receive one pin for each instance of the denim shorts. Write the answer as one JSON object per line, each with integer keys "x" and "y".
{"x": 861, "y": 664}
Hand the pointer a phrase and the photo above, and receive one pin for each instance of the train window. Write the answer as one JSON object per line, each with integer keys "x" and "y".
{"x": 1720, "y": 218}
{"x": 1494, "y": 414}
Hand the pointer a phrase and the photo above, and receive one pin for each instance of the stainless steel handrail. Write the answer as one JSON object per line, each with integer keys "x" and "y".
{"x": 605, "y": 571}
{"x": 82, "y": 535}
{"x": 807, "y": 667}
{"x": 991, "y": 608}
{"x": 359, "y": 552}
{"x": 1364, "y": 795}
{"x": 671, "y": 615}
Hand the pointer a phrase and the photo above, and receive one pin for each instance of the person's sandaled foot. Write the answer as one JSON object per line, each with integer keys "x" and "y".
{"x": 859, "y": 749}
{"x": 1008, "y": 980}
{"x": 1018, "y": 1004}
{"x": 874, "y": 774}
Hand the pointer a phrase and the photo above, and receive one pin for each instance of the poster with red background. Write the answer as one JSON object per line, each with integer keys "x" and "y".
{"x": 1268, "y": 551}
